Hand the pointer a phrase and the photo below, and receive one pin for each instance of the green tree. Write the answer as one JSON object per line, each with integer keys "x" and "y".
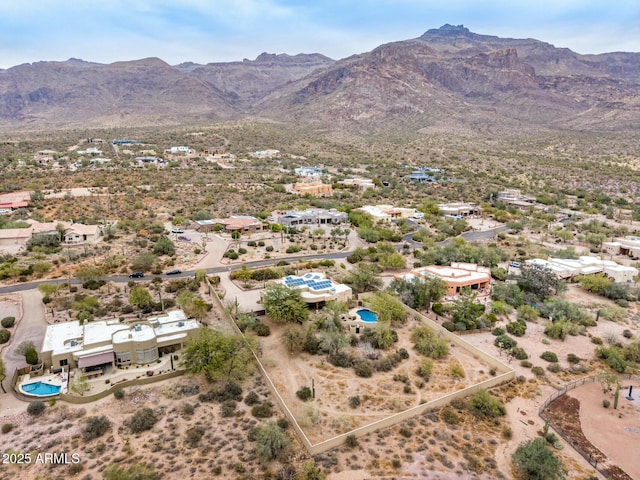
{"x": 389, "y": 309}
{"x": 80, "y": 385}
{"x": 31, "y": 356}
{"x": 540, "y": 281}
{"x": 466, "y": 310}
{"x": 419, "y": 293}
{"x": 220, "y": 356}
{"x": 90, "y": 274}
{"x": 140, "y": 297}
{"x": 270, "y": 440}
{"x": 428, "y": 343}
{"x": 526, "y": 313}
{"x": 284, "y": 305}
{"x": 144, "y": 262}
{"x": 164, "y": 246}
{"x": 197, "y": 309}
{"x": 364, "y": 278}
{"x": 383, "y": 337}
{"x": 49, "y": 289}
{"x": 535, "y": 461}
{"x": 244, "y": 275}
{"x": 332, "y": 342}
{"x": 137, "y": 471}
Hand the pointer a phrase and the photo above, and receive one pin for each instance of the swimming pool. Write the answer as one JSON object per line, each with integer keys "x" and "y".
{"x": 367, "y": 315}
{"x": 40, "y": 389}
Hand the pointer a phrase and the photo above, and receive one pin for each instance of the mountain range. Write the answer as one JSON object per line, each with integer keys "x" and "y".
{"x": 448, "y": 80}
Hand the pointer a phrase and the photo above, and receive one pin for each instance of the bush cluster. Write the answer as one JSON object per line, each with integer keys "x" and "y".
{"x": 222, "y": 392}
{"x": 8, "y": 322}
{"x": 142, "y": 420}
{"x": 95, "y": 427}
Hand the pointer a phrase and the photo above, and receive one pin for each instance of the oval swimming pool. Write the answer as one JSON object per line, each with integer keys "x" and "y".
{"x": 40, "y": 389}
{"x": 367, "y": 315}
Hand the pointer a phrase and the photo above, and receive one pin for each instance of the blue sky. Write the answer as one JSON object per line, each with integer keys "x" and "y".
{"x": 206, "y": 31}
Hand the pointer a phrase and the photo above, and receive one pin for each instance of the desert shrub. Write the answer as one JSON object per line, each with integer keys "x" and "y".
{"x": 194, "y": 435}
{"x": 405, "y": 432}
{"x": 438, "y": 308}
{"x": 142, "y": 420}
{"x": 505, "y": 342}
{"x": 483, "y": 404}
{"x": 614, "y": 357}
{"x": 271, "y": 441}
{"x": 8, "y": 322}
{"x": 449, "y": 415}
{"x": 363, "y": 368}
{"x": 31, "y": 356}
{"x": 95, "y": 427}
{"x": 7, "y": 427}
{"x": 93, "y": 284}
{"x": 554, "y": 367}
{"x": 573, "y": 358}
{"x": 517, "y": 328}
{"x": 222, "y": 392}
{"x": 354, "y": 401}
{"x": 519, "y": 353}
{"x": 246, "y": 322}
{"x": 5, "y": 335}
{"x": 449, "y": 325}
{"x": 538, "y": 371}
{"x": 252, "y": 398}
{"x": 606, "y": 403}
{"x": 119, "y": 393}
{"x": 456, "y": 370}
{"x": 626, "y": 333}
{"x": 425, "y": 368}
{"x": 596, "y": 340}
{"x": 387, "y": 363}
{"x": 262, "y": 330}
{"x": 496, "y": 332}
{"x": 264, "y": 410}
{"x": 427, "y": 343}
{"x": 549, "y": 356}
{"x": 351, "y": 441}
{"x": 35, "y": 408}
{"x": 526, "y": 364}
{"x": 228, "y": 408}
{"x": 304, "y": 394}
{"x": 403, "y": 353}
{"x": 507, "y": 432}
{"x": 341, "y": 359}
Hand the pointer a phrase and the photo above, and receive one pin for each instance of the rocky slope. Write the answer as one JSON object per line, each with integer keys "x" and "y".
{"x": 449, "y": 79}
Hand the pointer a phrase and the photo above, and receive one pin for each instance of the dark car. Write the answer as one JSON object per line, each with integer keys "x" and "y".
{"x": 175, "y": 271}
{"x": 136, "y": 275}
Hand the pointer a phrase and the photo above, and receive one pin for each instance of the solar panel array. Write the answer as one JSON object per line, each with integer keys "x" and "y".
{"x": 313, "y": 284}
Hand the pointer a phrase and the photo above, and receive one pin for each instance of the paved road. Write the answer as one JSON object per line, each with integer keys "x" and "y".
{"x": 468, "y": 236}
{"x": 22, "y": 287}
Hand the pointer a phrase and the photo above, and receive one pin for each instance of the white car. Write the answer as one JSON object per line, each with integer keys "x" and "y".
{"x": 177, "y": 230}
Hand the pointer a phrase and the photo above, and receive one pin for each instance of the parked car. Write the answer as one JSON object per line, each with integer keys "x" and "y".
{"x": 136, "y": 275}
{"x": 184, "y": 239}
{"x": 175, "y": 271}
{"x": 177, "y": 230}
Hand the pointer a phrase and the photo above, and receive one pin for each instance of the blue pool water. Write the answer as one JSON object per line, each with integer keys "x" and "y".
{"x": 367, "y": 315}
{"x": 41, "y": 389}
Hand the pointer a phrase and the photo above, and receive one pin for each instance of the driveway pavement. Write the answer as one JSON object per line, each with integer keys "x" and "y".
{"x": 31, "y": 326}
